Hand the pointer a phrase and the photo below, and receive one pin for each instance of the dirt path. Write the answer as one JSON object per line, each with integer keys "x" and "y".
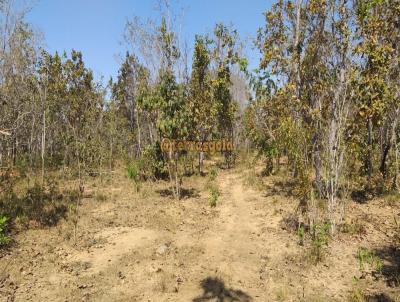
{"x": 232, "y": 244}
{"x": 237, "y": 248}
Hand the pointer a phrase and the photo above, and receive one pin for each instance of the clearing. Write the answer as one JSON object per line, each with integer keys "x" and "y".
{"x": 147, "y": 246}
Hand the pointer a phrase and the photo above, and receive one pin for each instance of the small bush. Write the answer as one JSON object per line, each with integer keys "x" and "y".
{"x": 133, "y": 173}
{"x": 213, "y": 174}
{"x": 319, "y": 241}
{"x": 214, "y": 195}
{"x": 353, "y": 228}
{"x": 153, "y": 165}
{"x": 4, "y": 239}
{"x": 356, "y": 295}
{"x": 212, "y": 186}
{"x": 368, "y": 259}
{"x": 44, "y": 205}
{"x": 301, "y": 234}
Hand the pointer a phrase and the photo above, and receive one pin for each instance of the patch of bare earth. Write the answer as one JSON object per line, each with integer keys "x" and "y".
{"x": 150, "y": 247}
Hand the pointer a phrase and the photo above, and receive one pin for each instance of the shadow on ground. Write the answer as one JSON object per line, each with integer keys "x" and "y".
{"x": 280, "y": 187}
{"x": 391, "y": 268}
{"x": 378, "y": 298}
{"x": 214, "y": 290}
{"x": 185, "y": 193}
{"x": 361, "y": 196}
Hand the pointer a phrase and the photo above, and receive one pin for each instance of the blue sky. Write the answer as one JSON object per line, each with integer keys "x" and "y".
{"x": 95, "y": 27}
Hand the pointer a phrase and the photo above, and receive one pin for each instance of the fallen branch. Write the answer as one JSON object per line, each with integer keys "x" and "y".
{"x": 5, "y": 132}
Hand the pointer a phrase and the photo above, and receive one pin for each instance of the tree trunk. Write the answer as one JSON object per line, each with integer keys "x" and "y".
{"x": 201, "y": 156}
{"x": 317, "y": 162}
{"x": 369, "y": 153}
{"x": 139, "y": 134}
{"x": 43, "y": 145}
{"x": 385, "y": 153}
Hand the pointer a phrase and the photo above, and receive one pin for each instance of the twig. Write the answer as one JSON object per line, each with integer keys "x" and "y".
{"x": 5, "y": 132}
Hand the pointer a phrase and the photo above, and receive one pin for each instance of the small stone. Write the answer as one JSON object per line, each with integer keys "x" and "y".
{"x": 120, "y": 275}
{"x": 158, "y": 270}
{"x": 162, "y": 249}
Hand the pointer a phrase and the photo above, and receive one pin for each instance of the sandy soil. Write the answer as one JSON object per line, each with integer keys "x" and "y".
{"x": 149, "y": 247}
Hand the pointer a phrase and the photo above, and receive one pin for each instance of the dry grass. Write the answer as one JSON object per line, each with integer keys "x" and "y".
{"x": 242, "y": 241}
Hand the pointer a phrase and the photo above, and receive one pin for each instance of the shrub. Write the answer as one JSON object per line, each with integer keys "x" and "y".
{"x": 214, "y": 195}
{"x": 133, "y": 172}
{"x": 44, "y": 205}
{"x": 301, "y": 234}
{"x": 213, "y": 187}
{"x": 4, "y": 239}
{"x": 353, "y": 228}
{"x": 213, "y": 174}
{"x": 153, "y": 165}
{"x": 356, "y": 295}
{"x": 319, "y": 241}
{"x": 367, "y": 258}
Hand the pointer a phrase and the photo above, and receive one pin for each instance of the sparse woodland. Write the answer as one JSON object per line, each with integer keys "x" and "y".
{"x": 321, "y": 114}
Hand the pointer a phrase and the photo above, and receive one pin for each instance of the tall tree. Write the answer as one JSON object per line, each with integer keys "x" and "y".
{"x": 202, "y": 105}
